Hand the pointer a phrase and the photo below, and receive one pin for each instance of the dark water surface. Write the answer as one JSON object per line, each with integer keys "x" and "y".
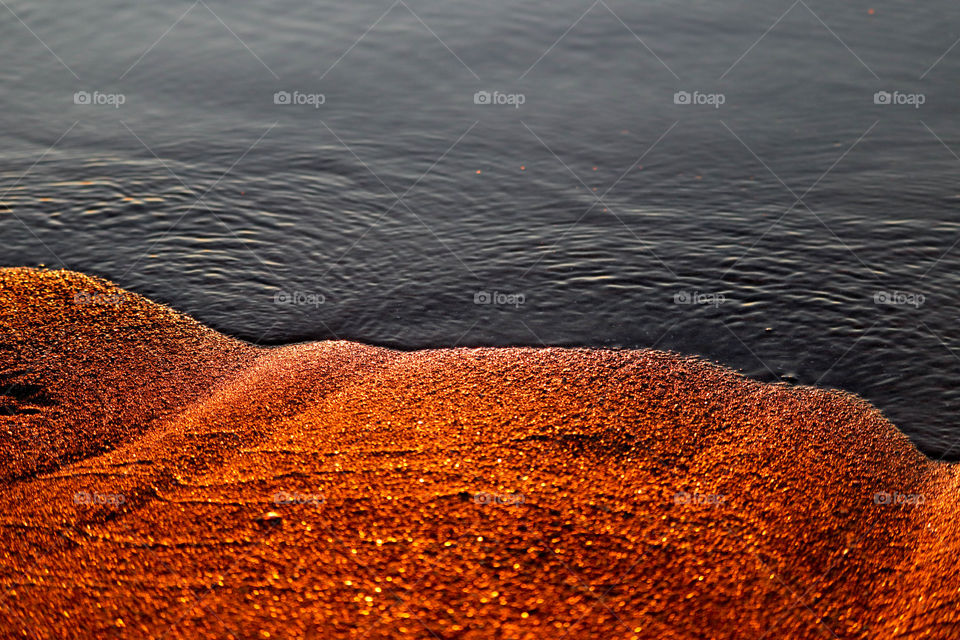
{"x": 587, "y": 215}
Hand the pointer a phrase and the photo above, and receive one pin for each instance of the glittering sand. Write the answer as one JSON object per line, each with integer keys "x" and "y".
{"x": 162, "y": 480}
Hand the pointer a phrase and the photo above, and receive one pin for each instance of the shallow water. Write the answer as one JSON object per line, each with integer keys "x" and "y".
{"x": 586, "y": 213}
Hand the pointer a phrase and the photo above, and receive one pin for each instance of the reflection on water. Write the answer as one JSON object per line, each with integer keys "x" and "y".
{"x": 424, "y": 173}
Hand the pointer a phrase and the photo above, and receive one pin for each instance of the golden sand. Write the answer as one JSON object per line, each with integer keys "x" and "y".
{"x": 162, "y": 480}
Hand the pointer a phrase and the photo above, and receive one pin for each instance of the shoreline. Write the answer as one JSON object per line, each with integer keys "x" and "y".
{"x": 461, "y": 493}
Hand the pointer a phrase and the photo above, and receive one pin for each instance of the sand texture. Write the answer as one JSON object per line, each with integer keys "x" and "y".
{"x": 161, "y": 480}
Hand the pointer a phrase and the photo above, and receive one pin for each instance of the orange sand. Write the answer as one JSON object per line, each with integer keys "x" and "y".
{"x": 162, "y": 480}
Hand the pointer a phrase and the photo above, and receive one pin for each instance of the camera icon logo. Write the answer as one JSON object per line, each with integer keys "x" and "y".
{"x": 483, "y": 498}
{"x": 883, "y": 497}
{"x": 682, "y": 97}
{"x": 482, "y": 297}
{"x": 482, "y": 97}
{"x": 682, "y": 297}
{"x": 281, "y": 97}
{"x": 882, "y": 297}
{"x": 81, "y": 97}
{"x": 882, "y": 97}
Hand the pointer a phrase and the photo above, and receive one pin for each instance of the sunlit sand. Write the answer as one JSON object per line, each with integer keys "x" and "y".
{"x": 163, "y": 480}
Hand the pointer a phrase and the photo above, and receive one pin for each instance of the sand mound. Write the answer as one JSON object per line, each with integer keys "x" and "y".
{"x": 335, "y": 490}
{"x": 85, "y": 365}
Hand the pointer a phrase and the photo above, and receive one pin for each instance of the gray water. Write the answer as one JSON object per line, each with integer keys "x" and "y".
{"x": 587, "y": 215}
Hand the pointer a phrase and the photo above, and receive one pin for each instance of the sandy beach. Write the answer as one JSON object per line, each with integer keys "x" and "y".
{"x": 161, "y": 480}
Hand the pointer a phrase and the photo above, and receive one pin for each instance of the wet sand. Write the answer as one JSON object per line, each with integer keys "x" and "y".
{"x": 162, "y": 480}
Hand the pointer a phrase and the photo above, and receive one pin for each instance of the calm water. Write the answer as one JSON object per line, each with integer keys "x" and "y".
{"x": 587, "y": 207}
